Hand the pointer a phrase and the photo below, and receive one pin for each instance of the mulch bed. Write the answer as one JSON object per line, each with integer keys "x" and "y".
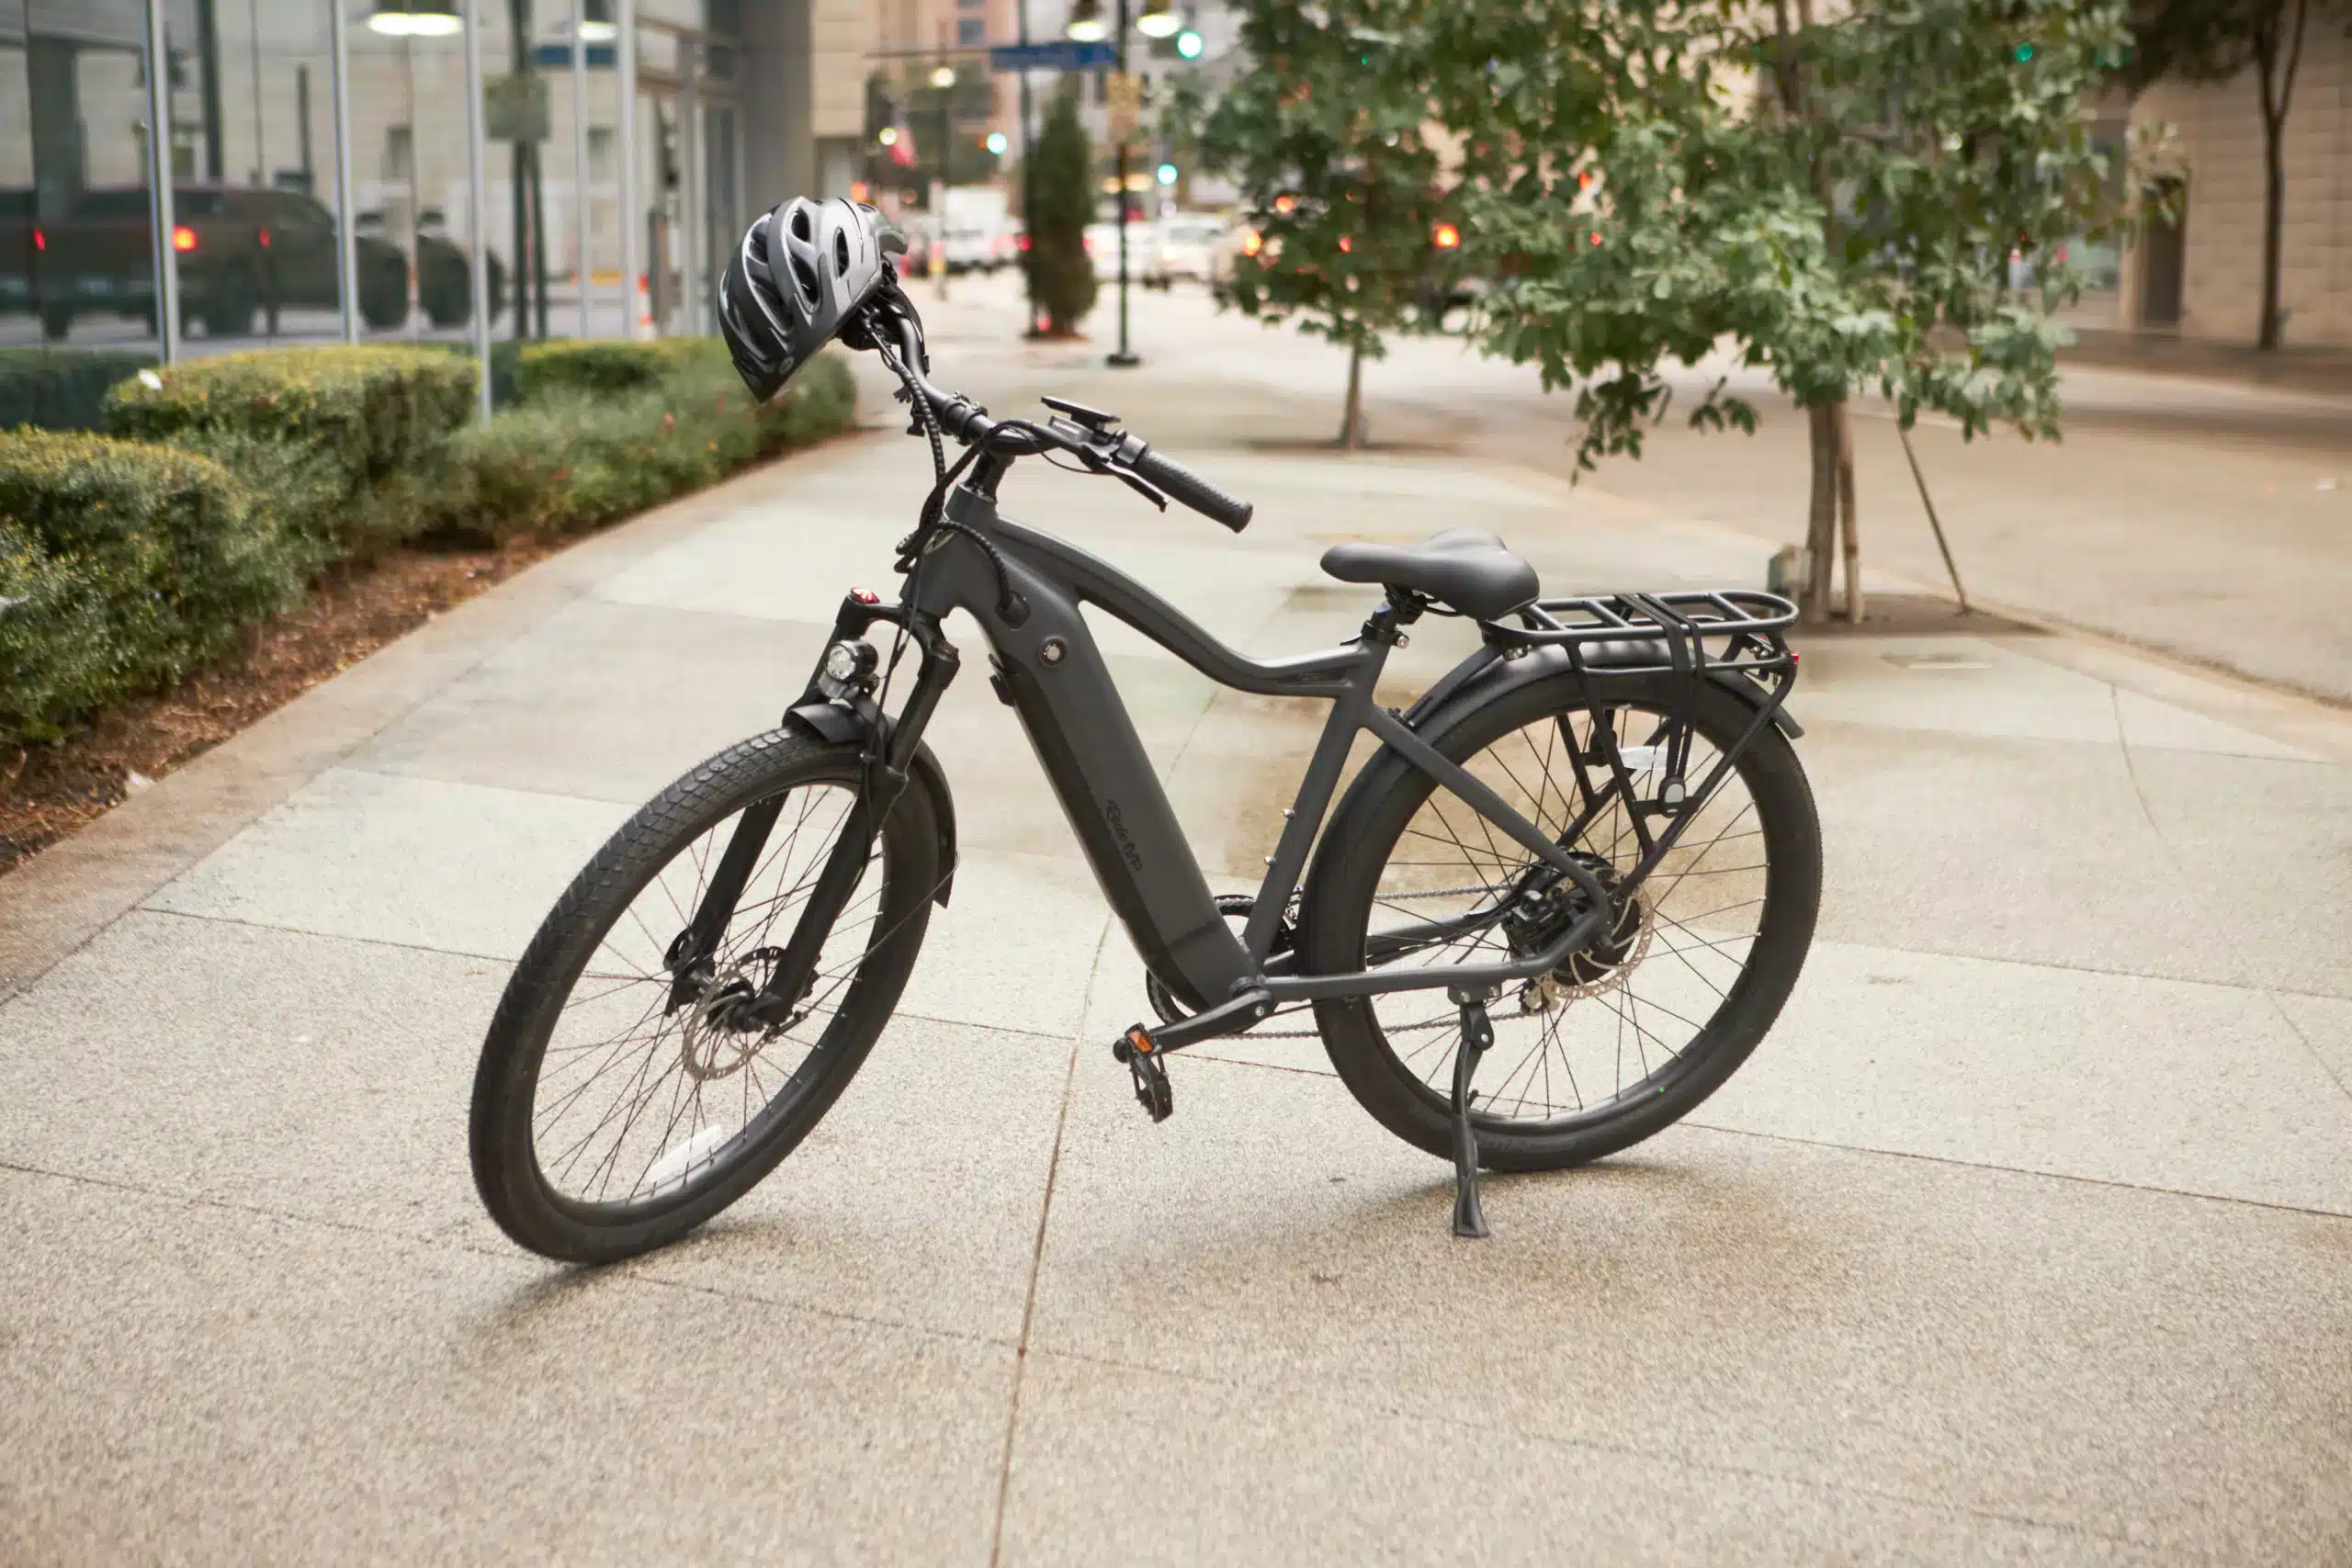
{"x": 47, "y": 792}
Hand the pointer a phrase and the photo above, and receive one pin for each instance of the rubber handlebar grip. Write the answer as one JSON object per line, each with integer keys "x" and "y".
{"x": 1181, "y": 484}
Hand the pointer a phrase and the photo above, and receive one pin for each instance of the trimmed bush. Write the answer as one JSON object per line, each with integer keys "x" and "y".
{"x": 63, "y": 388}
{"x": 370, "y": 409}
{"x": 590, "y": 364}
{"x": 125, "y": 564}
{"x": 133, "y": 563}
{"x": 571, "y": 461}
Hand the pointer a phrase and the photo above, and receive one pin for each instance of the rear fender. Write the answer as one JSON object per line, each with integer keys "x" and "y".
{"x": 839, "y": 725}
{"x": 1486, "y": 675}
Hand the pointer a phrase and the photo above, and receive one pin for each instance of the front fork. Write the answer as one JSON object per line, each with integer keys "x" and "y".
{"x": 885, "y": 763}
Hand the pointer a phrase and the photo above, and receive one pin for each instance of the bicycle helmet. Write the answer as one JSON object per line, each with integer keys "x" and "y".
{"x": 799, "y": 273}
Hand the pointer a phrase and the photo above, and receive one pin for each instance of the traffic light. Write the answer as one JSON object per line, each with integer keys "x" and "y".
{"x": 1188, "y": 44}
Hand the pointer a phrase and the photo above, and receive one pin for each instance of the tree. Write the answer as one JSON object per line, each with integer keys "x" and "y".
{"x": 1326, "y": 130}
{"x": 1056, "y": 203}
{"x": 2212, "y": 40}
{"x": 1841, "y": 201}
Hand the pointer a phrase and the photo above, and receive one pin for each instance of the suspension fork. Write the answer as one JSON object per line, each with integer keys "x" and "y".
{"x": 890, "y": 752}
{"x": 884, "y": 766}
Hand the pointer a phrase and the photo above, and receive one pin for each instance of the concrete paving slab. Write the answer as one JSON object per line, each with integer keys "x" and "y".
{"x": 268, "y": 1070}
{"x": 420, "y": 863}
{"x": 2323, "y": 1023}
{"x": 2274, "y": 841}
{"x": 327, "y": 1078}
{"x": 196, "y": 1384}
{"x": 1014, "y": 946}
{"x": 2150, "y": 725}
{"x": 1923, "y": 1331}
{"x": 2112, "y": 1078}
{"x": 2035, "y": 850}
{"x": 1962, "y": 685}
{"x": 783, "y": 562}
{"x": 540, "y": 716}
{"x": 1245, "y": 1475}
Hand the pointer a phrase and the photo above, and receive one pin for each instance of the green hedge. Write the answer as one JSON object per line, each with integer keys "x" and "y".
{"x": 126, "y": 563}
{"x": 570, "y": 460}
{"x": 63, "y": 388}
{"x": 371, "y": 409}
{"x": 590, "y": 364}
{"x": 130, "y": 564}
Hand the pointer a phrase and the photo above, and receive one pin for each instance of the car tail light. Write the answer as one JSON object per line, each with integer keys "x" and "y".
{"x": 1446, "y": 236}
{"x": 1024, "y": 243}
{"x": 264, "y": 239}
{"x": 1253, "y": 241}
{"x": 1346, "y": 244}
{"x": 40, "y": 241}
{"x": 182, "y": 237}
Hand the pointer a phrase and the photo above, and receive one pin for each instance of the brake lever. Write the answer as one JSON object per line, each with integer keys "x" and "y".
{"x": 1143, "y": 488}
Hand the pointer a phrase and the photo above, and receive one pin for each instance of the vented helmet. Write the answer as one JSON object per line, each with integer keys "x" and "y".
{"x": 799, "y": 273}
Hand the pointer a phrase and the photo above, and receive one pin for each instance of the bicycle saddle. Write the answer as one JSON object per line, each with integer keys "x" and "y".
{"x": 1463, "y": 569}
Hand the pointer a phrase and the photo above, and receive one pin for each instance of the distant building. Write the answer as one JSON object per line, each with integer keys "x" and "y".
{"x": 2203, "y": 280}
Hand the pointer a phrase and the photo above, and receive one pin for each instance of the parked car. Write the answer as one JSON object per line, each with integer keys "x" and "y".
{"x": 978, "y": 231}
{"x": 1187, "y": 244}
{"x": 1102, "y": 245}
{"x": 240, "y": 253}
{"x": 443, "y": 275}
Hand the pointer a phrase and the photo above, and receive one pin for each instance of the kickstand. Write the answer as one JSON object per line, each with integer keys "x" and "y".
{"x": 1477, "y": 1034}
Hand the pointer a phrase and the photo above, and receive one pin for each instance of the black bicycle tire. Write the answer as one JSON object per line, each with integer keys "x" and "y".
{"x": 1337, "y": 907}
{"x": 501, "y": 1145}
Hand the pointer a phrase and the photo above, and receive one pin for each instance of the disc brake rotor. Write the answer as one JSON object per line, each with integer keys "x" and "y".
{"x": 713, "y": 1044}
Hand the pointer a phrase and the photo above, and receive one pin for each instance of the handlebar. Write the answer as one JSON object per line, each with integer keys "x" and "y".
{"x": 1181, "y": 484}
{"x": 1102, "y": 449}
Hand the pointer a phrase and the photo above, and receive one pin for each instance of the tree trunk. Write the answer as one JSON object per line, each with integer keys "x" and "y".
{"x": 2274, "y": 213}
{"x": 1821, "y": 524}
{"x": 1849, "y": 525}
{"x": 1351, "y": 435}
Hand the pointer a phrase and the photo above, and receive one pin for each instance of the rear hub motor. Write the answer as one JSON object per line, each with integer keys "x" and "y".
{"x": 1601, "y": 964}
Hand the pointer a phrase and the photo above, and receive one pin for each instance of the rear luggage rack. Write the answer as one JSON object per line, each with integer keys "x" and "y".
{"x": 1729, "y": 630}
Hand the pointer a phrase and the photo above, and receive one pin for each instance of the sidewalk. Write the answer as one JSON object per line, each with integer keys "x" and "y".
{"x": 2027, "y": 1235}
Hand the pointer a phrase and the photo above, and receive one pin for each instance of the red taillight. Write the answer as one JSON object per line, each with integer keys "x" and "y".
{"x": 865, "y": 595}
{"x": 1024, "y": 243}
{"x": 1596, "y": 236}
{"x": 264, "y": 239}
{"x": 1446, "y": 236}
{"x": 182, "y": 237}
{"x": 40, "y": 241}
{"x": 1253, "y": 242}
{"x": 1346, "y": 244}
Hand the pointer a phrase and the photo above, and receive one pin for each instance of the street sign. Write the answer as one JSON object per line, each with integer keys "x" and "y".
{"x": 1059, "y": 54}
{"x": 516, "y": 109}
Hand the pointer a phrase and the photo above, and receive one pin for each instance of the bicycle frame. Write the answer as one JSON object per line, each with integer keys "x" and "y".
{"x": 1048, "y": 668}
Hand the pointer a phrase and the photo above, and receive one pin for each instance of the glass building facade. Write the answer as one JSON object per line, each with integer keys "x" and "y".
{"x": 330, "y": 180}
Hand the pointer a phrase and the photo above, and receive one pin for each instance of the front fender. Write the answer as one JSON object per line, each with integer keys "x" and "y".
{"x": 838, "y": 726}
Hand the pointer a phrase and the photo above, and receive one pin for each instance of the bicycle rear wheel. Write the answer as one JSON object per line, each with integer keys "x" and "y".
{"x": 1625, "y": 1038}
{"x": 618, "y": 1104}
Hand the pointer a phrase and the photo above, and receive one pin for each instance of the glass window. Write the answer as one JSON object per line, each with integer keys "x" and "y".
{"x": 72, "y": 125}
{"x": 971, "y": 31}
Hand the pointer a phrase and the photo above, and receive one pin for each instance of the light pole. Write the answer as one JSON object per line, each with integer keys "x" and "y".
{"x": 1086, "y": 26}
{"x": 942, "y": 81}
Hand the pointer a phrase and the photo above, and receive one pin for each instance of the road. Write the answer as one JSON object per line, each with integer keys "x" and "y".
{"x": 2025, "y": 1235}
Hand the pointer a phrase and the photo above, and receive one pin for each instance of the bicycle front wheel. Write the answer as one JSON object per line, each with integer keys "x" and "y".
{"x": 621, "y": 1101}
{"x": 1628, "y": 1036}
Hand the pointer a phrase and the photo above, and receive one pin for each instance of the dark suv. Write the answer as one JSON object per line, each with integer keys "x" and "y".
{"x": 240, "y": 253}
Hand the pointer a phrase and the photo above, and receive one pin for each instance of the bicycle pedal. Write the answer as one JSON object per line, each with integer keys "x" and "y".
{"x": 1142, "y": 1057}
